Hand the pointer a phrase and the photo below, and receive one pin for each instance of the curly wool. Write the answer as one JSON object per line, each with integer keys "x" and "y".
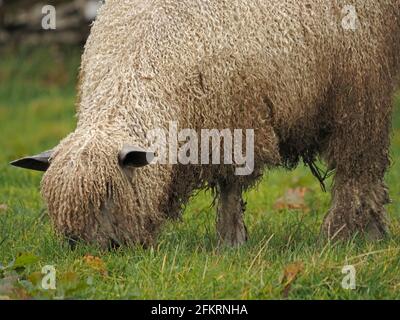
{"x": 285, "y": 68}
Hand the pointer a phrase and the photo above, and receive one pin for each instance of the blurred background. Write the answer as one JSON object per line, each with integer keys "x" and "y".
{"x": 39, "y": 68}
{"x": 41, "y": 42}
{"x": 21, "y": 21}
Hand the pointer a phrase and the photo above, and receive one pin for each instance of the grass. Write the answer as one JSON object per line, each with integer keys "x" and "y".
{"x": 37, "y": 95}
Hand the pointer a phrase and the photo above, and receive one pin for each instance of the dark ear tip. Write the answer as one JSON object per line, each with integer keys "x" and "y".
{"x": 31, "y": 164}
{"x": 16, "y": 163}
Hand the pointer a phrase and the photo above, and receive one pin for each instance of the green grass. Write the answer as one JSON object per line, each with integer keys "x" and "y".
{"x": 37, "y": 95}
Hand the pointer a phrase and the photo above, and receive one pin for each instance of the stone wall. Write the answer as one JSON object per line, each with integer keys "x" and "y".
{"x": 21, "y": 21}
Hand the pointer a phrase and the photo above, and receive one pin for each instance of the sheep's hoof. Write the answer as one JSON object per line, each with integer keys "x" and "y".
{"x": 233, "y": 236}
{"x": 345, "y": 224}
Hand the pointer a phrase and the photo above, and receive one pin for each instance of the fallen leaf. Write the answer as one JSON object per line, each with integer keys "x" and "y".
{"x": 96, "y": 264}
{"x": 35, "y": 278}
{"x": 3, "y": 207}
{"x": 290, "y": 273}
{"x": 24, "y": 259}
{"x": 293, "y": 199}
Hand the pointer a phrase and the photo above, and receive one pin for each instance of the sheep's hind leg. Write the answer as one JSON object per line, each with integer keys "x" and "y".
{"x": 357, "y": 208}
{"x": 358, "y": 149}
{"x": 231, "y": 229}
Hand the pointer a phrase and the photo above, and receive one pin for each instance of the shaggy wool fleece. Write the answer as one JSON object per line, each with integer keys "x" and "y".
{"x": 285, "y": 68}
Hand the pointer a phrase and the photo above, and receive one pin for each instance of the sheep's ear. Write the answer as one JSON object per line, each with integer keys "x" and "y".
{"x": 39, "y": 162}
{"x": 132, "y": 156}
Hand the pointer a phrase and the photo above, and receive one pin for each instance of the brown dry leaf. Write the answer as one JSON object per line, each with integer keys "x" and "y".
{"x": 290, "y": 273}
{"x": 3, "y": 207}
{"x": 35, "y": 278}
{"x": 293, "y": 199}
{"x": 96, "y": 264}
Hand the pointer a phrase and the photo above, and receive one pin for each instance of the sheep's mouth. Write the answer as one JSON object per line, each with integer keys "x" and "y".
{"x": 73, "y": 241}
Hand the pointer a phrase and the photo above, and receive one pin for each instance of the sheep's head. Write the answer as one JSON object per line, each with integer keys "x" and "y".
{"x": 98, "y": 190}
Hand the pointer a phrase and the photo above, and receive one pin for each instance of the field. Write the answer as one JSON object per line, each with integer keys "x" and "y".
{"x": 283, "y": 258}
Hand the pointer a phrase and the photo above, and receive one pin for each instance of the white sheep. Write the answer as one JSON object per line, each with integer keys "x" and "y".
{"x": 289, "y": 70}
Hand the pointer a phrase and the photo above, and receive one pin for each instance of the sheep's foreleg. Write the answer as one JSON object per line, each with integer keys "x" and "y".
{"x": 230, "y": 225}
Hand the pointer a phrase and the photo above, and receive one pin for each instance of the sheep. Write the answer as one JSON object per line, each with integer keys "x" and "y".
{"x": 309, "y": 88}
